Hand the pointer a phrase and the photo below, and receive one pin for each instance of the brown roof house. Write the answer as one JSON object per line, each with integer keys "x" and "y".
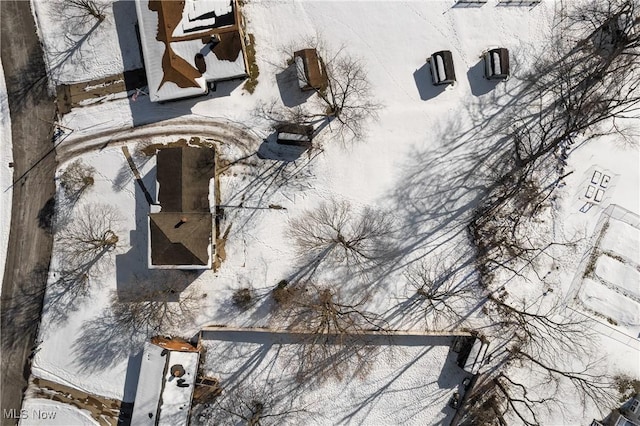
{"x": 310, "y": 70}
{"x": 181, "y": 227}
{"x": 188, "y": 45}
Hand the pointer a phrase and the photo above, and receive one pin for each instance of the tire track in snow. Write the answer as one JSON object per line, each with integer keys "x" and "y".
{"x": 224, "y": 131}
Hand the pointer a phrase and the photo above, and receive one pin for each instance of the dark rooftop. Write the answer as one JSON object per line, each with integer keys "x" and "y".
{"x": 175, "y": 241}
{"x": 181, "y": 232}
{"x": 183, "y": 177}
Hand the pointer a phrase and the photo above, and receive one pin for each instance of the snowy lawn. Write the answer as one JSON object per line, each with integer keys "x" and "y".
{"x": 46, "y": 412}
{"x": 73, "y": 321}
{"x": 417, "y": 163}
{"x": 616, "y": 308}
{"x": 411, "y": 379}
{"x": 80, "y": 48}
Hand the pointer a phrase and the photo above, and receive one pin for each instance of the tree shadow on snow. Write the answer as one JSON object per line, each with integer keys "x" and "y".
{"x": 445, "y": 177}
{"x": 76, "y": 28}
{"x": 264, "y": 178}
{"x": 104, "y": 342}
{"x": 22, "y": 312}
{"x": 406, "y": 410}
{"x": 32, "y": 78}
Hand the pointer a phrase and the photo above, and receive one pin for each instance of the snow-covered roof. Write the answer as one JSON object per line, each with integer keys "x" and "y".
{"x": 145, "y": 408}
{"x": 161, "y": 397}
{"x": 203, "y": 13}
{"x": 178, "y": 391}
{"x": 171, "y": 35}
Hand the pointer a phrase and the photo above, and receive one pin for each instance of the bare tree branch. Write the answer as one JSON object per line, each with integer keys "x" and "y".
{"x": 76, "y": 179}
{"x": 334, "y": 233}
{"x": 156, "y": 303}
{"x": 250, "y": 405}
{"x": 331, "y": 329}
{"x": 437, "y": 293}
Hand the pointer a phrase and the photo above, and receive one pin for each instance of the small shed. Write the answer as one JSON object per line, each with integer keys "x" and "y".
{"x": 472, "y": 355}
{"x": 294, "y": 134}
{"x": 310, "y": 70}
{"x": 496, "y": 64}
{"x": 442, "y": 71}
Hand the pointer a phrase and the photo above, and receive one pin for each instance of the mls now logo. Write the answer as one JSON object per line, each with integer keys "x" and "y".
{"x": 26, "y": 414}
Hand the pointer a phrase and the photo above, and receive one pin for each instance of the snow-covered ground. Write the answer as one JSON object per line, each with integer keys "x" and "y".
{"x": 78, "y": 48}
{"x": 412, "y": 163}
{"x": 36, "y": 411}
{"x": 65, "y": 357}
{"x": 6, "y": 173}
{"x": 405, "y": 374}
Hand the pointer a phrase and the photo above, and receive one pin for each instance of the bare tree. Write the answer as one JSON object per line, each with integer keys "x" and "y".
{"x": 509, "y": 230}
{"x": 77, "y": 178}
{"x": 156, "y": 303}
{"x": 502, "y": 399}
{"x": 508, "y": 398}
{"x": 586, "y": 377}
{"x": 481, "y": 404}
{"x": 87, "y": 241}
{"x": 437, "y": 293}
{"x": 334, "y": 232}
{"x": 77, "y": 22}
{"x": 605, "y": 26}
{"x": 347, "y": 99}
{"x": 584, "y": 86}
{"x": 83, "y": 247}
{"x": 243, "y": 298}
{"x": 91, "y": 234}
{"x": 549, "y": 348}
{"x": 331, "y": 329}
{"x": 588, "y": 79}
{"x": 344, "y": 104}
{"x": 250, "y": 405}
{"x": 83, "y": 10}
{"x": 627, "y": 386}
{"x": 548, "y": 331}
